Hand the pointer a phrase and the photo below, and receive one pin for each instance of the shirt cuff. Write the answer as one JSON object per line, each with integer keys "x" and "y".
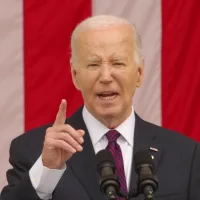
{"x": 45, "y": 180}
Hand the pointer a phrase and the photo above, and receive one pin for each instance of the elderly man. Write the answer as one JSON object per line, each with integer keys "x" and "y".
{"x": 57, "y": 161}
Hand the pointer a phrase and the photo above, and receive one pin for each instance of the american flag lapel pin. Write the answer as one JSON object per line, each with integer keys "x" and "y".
{"x": 153, "y": 149}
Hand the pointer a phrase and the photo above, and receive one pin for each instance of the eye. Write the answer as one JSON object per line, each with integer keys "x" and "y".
{"x": 119, "y": 64}
{"x": 93, "y": 65}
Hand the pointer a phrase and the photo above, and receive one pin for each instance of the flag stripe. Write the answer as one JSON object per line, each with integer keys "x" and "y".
{"x": 11, "y": 78}
{"x": 47, "y": 29}
{"x": 181, "y": 66}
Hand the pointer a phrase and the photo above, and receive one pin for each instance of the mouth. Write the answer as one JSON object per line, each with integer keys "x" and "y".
{"x": 107, "y": 95}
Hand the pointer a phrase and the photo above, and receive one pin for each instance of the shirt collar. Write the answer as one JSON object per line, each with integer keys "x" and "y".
{"x": 97, "y": 130}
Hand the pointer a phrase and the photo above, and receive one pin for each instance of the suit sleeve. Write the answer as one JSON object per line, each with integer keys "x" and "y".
{"x": 19, "y": 184}
{"x": 194, "y": 188}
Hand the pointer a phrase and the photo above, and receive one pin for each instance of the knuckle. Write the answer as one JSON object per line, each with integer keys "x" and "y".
{"x": 48, "y": 129}
{"x": 60, "y": 142}
{"x": 48, "y": 142}
{"x": 49, "y": 134}
{"x": 64, "y": 135}
{"x": 67, "y": 126}
{"x": 63, "y": 145}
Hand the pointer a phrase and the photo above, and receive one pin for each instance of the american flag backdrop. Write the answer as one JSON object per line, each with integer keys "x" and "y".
{"x": 35, "y": 71}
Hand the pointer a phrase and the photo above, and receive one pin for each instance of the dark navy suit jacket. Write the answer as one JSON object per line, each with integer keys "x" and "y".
{"x": 177, "y": 165}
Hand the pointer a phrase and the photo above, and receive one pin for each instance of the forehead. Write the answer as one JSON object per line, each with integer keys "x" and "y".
{"x": 115, "y": 41}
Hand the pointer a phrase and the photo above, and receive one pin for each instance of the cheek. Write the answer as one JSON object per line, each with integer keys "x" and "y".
{"x": 87, "y": 84}
{"x": 127, "y": 83}
{"x": 133, "y": 77}
{"x": 127, "y": 79}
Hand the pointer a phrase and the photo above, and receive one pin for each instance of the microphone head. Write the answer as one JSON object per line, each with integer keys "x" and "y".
{"x": 104, "y": 158}
{"x": 109, "y": 183}
{"x": 143, "y": 158}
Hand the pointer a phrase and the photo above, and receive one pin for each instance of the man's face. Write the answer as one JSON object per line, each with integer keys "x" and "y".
{"x": 105, "y": 71}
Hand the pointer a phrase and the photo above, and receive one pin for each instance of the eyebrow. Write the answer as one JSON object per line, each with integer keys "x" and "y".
{"x": 112, "y": 57}
{"x": 119, "y": 58}
{"x": 94, "y": 59}
{"x": 116, "y": 59}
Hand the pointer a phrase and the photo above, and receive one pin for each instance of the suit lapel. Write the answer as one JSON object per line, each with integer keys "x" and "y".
{"x": 144, "y": 138}
{"x": 83, "y": 164}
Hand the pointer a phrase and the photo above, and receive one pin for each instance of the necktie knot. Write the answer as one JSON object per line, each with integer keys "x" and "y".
{"x": 112, "y": 135}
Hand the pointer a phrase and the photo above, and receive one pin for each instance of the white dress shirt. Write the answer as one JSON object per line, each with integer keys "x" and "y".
{"x": 44, "y": 180}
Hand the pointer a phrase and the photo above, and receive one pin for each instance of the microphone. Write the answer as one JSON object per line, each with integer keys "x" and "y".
{"x": 147, "y": 181}
{"x": 109, "y": 184}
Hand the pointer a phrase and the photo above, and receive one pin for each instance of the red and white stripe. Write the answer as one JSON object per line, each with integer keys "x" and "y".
{"x": 35, "y": 71}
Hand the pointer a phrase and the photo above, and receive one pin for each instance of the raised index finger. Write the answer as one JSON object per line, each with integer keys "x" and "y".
{"x": 61, "y": 115}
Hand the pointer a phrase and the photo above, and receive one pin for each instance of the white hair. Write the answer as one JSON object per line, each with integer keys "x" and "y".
{"x": 102, "y": 21}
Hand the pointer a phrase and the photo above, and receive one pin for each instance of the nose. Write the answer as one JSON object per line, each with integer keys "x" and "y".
{"x": 105, "y": 74}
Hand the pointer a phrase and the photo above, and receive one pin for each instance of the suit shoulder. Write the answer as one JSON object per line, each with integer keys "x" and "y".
{"x": 32, "y": 137}
{"x": 169, "y": 136}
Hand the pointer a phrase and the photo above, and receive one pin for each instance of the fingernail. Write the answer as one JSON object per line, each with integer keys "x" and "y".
{"x": 83, "y": 132}
{"x": 80, "y": 148}
{"x": 81, "y": 140}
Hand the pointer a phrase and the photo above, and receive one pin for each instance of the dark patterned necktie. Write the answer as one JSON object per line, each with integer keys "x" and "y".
{"x": 115, "y": 149}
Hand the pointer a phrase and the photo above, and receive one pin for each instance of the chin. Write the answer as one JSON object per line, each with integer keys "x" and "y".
{"x": 109, "y": 112}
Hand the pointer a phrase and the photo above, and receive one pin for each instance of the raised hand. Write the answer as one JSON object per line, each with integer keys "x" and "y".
{"x": 61, "y": 141}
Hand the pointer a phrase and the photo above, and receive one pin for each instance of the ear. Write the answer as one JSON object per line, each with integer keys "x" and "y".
{"x": 74, "y": 73}
{"x": 140, "y": 74}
